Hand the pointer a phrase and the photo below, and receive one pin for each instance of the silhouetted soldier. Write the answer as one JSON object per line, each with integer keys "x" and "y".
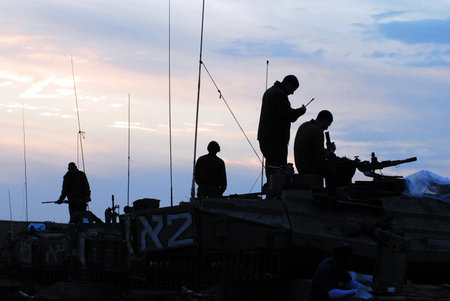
{"x": 312, "y": 157}
{"x": 210, "y": 174}
{"x": 76, "y": 189}
{"x": 331, "y": 280}
{"x": 275, "y": 122}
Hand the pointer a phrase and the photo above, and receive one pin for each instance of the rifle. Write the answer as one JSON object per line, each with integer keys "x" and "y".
{"x": 246, "y": 195}
{"x": 52, "y": 202}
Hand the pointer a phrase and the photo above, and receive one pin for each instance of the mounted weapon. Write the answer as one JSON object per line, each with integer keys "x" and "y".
{"x": 368, "y": 168}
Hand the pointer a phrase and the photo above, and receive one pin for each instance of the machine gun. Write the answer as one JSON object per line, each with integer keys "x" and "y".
{"x": 111, "y": 214}
{"x": 368, "y": 168}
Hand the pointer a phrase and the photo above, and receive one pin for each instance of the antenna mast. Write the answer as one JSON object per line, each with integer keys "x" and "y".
{"x": 198, "y": 100}
{"x": 80, "y": 135}
{"x": 10, "y": 215}
{"x": 129, "y": 132}
{"x": 25, "y": 161}
{"x": 170, "y": 121}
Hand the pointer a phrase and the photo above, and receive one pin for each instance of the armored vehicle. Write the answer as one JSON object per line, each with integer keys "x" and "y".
{"x": 247, "y": 237}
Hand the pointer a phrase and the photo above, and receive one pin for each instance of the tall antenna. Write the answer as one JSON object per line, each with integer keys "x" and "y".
{"x": 170, "y": 122}
{"x": 198, "y": 101}
{"x": 80, "y": 135}
{"x": 25, "y": 161}
{"x": 10, "y": 215}
{"x": 129, "y": 132}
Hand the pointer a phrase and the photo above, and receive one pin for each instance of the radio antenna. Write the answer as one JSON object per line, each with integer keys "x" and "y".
{"x": 170, "y": 121}
{"x": 129, "y": 132}
{"x": 25, "y": 161}
{"x": 198, "y": 101}
{"x": 80, "y": 134}
{"x": 10, "y": 215}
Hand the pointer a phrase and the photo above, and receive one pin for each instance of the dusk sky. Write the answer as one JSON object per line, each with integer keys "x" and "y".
{"x": 381, "y": 67}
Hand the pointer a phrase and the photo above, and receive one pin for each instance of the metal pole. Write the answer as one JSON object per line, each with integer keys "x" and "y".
{"x": 129, "y": 135}
{"x": 198, "y": 101}
{"x": 170, "y": 120}
{"x": 25, "y": 161}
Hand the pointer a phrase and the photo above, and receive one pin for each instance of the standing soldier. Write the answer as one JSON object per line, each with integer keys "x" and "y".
{"x": 210, "y": 174}
{"x": 76, "y": 188}
{"x": 275, "y": 122}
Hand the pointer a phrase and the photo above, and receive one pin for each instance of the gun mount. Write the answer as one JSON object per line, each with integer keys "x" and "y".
{"x": 110, "y": 213}
{"x": 368, "y": 168}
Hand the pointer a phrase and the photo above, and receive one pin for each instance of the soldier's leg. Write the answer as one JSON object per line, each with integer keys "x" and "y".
{"x": 275, "y": 154}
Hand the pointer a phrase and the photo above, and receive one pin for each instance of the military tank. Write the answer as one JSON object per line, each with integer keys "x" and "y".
{"x": 287, "y": 233}
{"x": 280, "y": 234}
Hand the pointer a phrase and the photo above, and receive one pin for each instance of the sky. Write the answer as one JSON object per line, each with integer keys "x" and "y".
{"x": 381, "y": 67}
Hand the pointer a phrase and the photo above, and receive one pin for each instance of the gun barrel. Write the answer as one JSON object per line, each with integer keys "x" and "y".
{"x": 398, "y": 162}
{"x": 412, "y": 159}
{"x": 366, "y": 166}
{"x": 233, "y": 196}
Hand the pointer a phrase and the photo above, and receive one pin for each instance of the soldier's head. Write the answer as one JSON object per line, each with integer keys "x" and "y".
{"x": 72, "y": 166}
{"x": 342, "y": 253}
{"x": 325, "y": 119}
{"x": 213, "y": 147}
{"x": 290, "y": 82}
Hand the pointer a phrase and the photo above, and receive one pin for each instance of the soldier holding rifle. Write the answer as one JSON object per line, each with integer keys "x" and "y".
{"x": 76, "y": 188}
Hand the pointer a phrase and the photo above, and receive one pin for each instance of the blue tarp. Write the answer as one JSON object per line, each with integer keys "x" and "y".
{"x": 36, "y": 226}
{"x": 427, "y": 184}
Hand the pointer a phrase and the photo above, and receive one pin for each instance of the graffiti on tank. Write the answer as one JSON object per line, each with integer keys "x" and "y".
{"x": 166, "y": 224}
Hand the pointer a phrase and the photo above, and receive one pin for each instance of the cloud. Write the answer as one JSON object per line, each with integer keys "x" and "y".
{"x": 380, "y": 54}
{"x": 133, "y": 125}
{"x": 433, "y": 58}
{"x": 107, "y": 21}
{"x": 48, "y": 114}
{"x": 434, "y": 31}
{"x": 15, "y": 39}
{"x": 15, "y": 77}
{"x": 388, "y": 15}
{"x": 213, "y": 124}
{"x": 270, "y": 48}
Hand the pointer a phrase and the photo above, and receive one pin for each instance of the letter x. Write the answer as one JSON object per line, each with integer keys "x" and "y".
{"x": 150, "y": 231}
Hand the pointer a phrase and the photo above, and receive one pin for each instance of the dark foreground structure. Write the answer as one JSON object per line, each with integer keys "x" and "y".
{"x": 239, "y": 247}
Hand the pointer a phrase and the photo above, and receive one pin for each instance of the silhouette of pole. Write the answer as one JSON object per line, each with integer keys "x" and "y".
{"x": 80, "y": 134}
{"x": 129, "y": 135}
{"x": 198, "y": 101}
{"x": 25, "y": 162}
{"x": 10, "y": 215}
{"x": 170, "y": 120}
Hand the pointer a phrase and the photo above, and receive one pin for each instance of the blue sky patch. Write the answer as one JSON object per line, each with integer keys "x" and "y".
{"x": 416, "y": 32}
